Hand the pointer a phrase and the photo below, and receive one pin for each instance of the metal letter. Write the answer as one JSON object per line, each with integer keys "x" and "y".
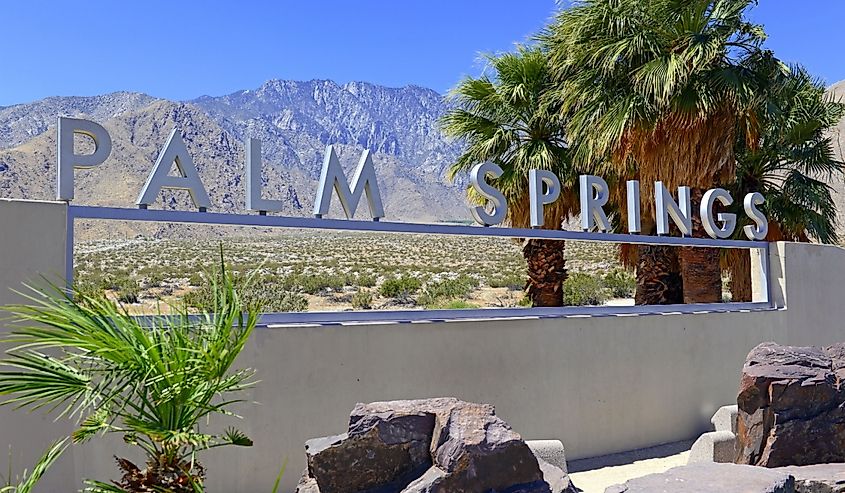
{"x": 254, "y": 202}
{"x": 634, "y": 222}
{"x": 750, "y": 203}
{"x": 539, "y": 197}
{"x": 594, "y": 195}
{"x": 67, "y": 160}
{"x": 478, "y": 180}
{"x": 363, "y": 181}
{"x": 665, "y": 206}
{"x": 706, "y": 211}
{"x": 189, "y": 179}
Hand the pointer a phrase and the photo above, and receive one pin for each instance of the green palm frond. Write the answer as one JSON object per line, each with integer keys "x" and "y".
{"x": 152, "y": 379}
{"x": 509, "y": 119}
{"x": 793, "y": 161}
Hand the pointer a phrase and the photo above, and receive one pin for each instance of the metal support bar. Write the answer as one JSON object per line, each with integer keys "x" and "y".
{"x": 121, "y": 214}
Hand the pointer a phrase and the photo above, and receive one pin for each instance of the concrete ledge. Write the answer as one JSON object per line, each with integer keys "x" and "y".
{"x": 550, "y": 451}
{"x": 725, "y": 419}
{"x": 715, "y": 446}
{"x": 719, "y": 445}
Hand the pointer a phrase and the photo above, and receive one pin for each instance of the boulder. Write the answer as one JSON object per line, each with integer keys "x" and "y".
{"x": 431, "y": 445}
{"x": 791, "y": 406}
{"x": 709, "y": 478}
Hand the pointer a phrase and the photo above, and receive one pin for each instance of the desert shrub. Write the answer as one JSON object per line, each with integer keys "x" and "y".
{"x": 448, "y": 289}
{"x": 365, "y": 280}
{"x": 512, "y": 281}
{"x": 196, "y": 279}
{"x": 452, "y": 305}
{"x": 620, "y": 283}
{"x": 362, "y": 300}
{"x": 127, "y": 291}
{"x": 583, "y": 289}
{"x": 399, "y": 286}
{"x": 314, "y": 283}
{"x": 260, "y": 293}
{"x": 278, "y": 300}
{"x": 89, "y": 288}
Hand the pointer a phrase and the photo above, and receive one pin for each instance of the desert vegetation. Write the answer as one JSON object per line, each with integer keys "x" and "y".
{"x": 299, "y": 271}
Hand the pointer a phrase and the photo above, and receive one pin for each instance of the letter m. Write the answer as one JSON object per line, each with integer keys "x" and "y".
{"x": 364, "y": 181}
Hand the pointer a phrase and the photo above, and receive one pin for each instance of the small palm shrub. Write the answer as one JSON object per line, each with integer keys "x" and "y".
{"x": 154, "y": 381}
{"x": 399, "y": 286}
{"x": 583, "y": 289}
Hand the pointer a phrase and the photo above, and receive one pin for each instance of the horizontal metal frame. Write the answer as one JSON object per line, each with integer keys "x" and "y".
{"x": 412, "y": 316}
{"x": 274, "y": 319}
{"x": 190, "y": 217}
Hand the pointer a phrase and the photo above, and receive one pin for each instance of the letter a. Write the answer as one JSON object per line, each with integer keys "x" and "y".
{"x": 189, "y": 179}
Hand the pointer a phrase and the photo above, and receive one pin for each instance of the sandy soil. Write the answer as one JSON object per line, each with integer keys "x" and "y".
{"x": 595, "y": 475}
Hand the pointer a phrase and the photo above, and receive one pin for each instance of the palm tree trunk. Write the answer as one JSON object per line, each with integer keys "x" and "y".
{"x": 658, "y": 276}
{"x": 700, "y": 267}
{"x": 740, "y": 267}
{"x": 546, "y": 271}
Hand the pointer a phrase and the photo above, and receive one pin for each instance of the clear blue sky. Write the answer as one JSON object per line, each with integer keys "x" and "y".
{"x": 183, "y": 49}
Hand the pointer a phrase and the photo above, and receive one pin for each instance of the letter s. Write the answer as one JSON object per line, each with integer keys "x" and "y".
{"x": 478, "y": 177}
{"x": 750, "y": 203}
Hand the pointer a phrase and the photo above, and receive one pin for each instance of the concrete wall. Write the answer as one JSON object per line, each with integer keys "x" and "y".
{"x": 600, "y": 384}
{"x": 32, "y": 244}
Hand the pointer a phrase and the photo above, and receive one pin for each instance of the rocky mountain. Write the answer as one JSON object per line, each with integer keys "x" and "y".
{"x": 294, "y": 120}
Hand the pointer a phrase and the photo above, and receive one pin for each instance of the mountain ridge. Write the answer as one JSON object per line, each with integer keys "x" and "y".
{"x": 295, "y": 122}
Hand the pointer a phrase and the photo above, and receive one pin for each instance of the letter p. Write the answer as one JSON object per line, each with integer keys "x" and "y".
{"x": 68, "y": 160}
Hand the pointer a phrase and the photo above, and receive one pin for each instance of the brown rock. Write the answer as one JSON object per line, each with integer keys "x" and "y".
{"x": 434, "y": 445}
{"x": 791, "y": 406}
{"x": 379, "y": 451}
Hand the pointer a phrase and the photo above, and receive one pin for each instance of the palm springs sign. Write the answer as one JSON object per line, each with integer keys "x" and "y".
{"x": 544, "y": 188}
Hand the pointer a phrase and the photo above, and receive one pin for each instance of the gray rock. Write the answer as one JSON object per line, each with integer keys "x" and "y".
{"x": 710, "y": 478}
{"x": 817, "y": 478}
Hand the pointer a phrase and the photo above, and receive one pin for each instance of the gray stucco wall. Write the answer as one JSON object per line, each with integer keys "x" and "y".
{"x": 600, "y": 384}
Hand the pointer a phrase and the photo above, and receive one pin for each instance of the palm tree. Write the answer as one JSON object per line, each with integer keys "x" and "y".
{"x": 506, "y": 120}
{"x": 89, "y": 359}
{"x": 661, "y": 89}
{"x": 791, "y": 165}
